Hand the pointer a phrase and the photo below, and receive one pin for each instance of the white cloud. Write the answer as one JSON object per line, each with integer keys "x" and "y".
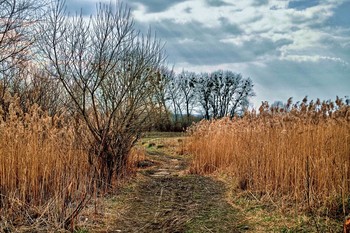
{"x": 274, "y": 21}
{"x": 292, "y": 51}
{"x": 180, "y": 13}
{"x": 315, "y": 58}
{"x": 242, "y": 67}
{"x": 238, "y": 40}
{"x": 186, "y": 41}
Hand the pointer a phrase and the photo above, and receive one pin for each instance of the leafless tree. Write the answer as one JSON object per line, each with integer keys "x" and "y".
{"x": 17, "y": 21}
{"x": 186, "y": 82}
{"x": 17, "y": 18}
{"x": 229, "y": 93}
{"x": 217, "y": 94}
{"x": 173, "y": 96}
{"x": 110, "y": 72}
{"x": 35, "y": 86}
{"x": 204, "y": 91}
{"x": 163, "y": 121}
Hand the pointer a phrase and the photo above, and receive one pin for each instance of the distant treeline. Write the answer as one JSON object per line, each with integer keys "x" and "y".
{"x": 189, "y": 96}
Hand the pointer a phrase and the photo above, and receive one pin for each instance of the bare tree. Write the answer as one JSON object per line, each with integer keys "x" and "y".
{"x": 186, "y": 81}
{"x": 37, "y": 87}
{"x": 240, "y": 101}
{"x": 164, "y": 77}
{"x": 17, "y": 21}
{"x": 216, "y": 95}
{"x": 174, "y": 96}
{"x": 229, "y": 93}
{"x": 110, "y": 72}
{"x": 204, "y": 87}
{"x": 223, "y": 93}
{"x": 17, "y": 18}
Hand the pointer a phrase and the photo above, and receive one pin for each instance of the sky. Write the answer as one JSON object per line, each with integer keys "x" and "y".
{"x": 289, "y": 48}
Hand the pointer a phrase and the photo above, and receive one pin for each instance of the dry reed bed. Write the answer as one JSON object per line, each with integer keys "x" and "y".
{"x": 44, "y": 172}
{"x": 45, "y": 176}
{"x": 300, "y": 153}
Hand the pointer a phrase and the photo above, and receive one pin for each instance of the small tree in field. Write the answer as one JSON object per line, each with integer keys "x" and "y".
{"x": 110, "y": 72}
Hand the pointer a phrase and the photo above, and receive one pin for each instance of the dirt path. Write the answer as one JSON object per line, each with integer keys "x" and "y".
{"x": 166, "y": 198}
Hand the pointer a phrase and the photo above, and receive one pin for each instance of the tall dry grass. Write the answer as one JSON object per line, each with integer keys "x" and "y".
{"x": 300, "y": 153}
{"x": 45, "y": 176}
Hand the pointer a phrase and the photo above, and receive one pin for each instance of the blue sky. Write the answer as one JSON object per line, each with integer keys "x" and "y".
{"x": 289, "y": 48}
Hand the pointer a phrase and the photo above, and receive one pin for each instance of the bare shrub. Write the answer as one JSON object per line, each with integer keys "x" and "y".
{"x": 110, "y": 72}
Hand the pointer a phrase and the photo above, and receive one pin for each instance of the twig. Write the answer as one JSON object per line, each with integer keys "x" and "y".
{"x": 68, "y": 223}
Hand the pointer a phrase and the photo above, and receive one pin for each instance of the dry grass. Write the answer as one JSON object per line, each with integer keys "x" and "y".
{"x": 300, "y": 154}
{"x": 45, "y": 175}
{"x": 136, "y": 155}
{"x": 44, "y": 172}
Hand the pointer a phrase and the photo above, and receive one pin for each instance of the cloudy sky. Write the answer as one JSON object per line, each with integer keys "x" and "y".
{"x": 289, "y": 48}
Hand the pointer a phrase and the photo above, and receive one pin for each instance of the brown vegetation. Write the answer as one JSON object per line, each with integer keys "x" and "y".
{"x": 74, "y": 99}
{"x": 110, "y": 72}
{"x": 45, "y": 175}
{"x": 44, "y": 172}
{"x": 299, "y": 153}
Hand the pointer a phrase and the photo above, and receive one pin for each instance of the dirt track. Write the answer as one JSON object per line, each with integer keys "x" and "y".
{"x": 167, "y": 199}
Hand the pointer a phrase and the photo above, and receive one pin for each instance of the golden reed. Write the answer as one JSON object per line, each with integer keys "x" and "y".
{"x": 300, "y": 152}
